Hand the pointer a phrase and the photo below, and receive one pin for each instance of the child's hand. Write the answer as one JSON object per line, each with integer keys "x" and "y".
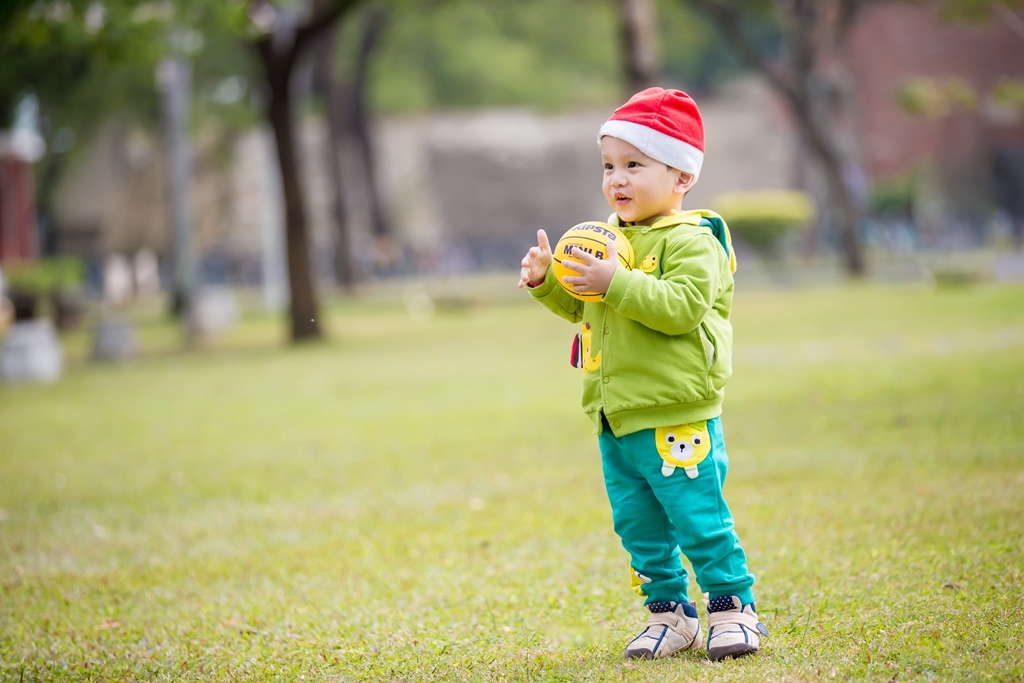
{"x": 595, "y": 275}
{"x": 536, "y": 261}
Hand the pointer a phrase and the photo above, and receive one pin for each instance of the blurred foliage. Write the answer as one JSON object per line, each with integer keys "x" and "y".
{"x": 77, "y": 58}
{"x": 57, "y": 273}
{"x": 935, "y": 98}
{"x": 894, "y": 198}
{"x": 87, "y": 61}
{"x": 694, "y": 53}
{"x": 977, "y": 10}
{"x": 469, "y": 54}
{"x": 551, "y": 54}
{"x": 762, "y": 219}
{"x": 1010, "y": 93}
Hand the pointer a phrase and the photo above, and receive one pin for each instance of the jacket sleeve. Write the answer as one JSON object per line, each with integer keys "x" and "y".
{"x": 676, "y": 302}
{"x": 557, "y": 300}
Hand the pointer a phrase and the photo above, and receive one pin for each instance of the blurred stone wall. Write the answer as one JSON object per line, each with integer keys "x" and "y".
{"x": 486, "y": 181}
{"x": 462, "y": 190}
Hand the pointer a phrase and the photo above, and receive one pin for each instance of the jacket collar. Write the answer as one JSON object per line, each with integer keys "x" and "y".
{"x": 694, "y": 217}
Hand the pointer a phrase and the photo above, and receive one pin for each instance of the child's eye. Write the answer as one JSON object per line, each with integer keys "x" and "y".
{"x": 607, "y": 167}
{"x": 632, "y": 164}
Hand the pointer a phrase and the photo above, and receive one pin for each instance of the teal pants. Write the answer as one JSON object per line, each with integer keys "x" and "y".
{"x": 659, "y": 515}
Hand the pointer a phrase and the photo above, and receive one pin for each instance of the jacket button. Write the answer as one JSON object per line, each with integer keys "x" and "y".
{"x": 607, "y": 330}
{"x": 607, "y": 379}
{"x": 616, "y": 424}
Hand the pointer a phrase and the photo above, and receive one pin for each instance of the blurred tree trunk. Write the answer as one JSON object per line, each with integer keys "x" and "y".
{"x": 638, "y": 33}
{"x": 278, "y": 51}
{"x": 376, "y": 18}
{"x": 348, "y": 127}
{"x": 813, "y": 31}
{"x": 334, "y": 107}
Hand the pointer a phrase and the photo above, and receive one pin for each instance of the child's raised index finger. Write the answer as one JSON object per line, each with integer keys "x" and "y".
{"x": 542, "y": 240}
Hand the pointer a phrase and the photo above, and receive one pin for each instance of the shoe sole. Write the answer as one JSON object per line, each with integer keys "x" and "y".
{"x": 647, "y": 654}
{"x": 650, "y": 655}
{"x": 696, "y": 644}
{"x": 734, "y": 651}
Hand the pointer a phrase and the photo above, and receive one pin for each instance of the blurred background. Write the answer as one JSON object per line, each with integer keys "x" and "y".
{"x": 204, "y": 157}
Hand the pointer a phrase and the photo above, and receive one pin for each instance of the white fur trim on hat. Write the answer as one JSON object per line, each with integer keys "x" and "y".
{"x": 658, "y": 146}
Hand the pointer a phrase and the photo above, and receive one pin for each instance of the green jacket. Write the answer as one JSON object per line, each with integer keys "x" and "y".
{"x": 657, "y": 350}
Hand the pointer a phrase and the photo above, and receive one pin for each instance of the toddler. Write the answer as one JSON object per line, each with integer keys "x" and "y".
{"x": 658, "y": 349}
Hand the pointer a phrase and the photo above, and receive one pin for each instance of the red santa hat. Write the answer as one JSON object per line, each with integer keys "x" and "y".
{"x": 663, "y": 124}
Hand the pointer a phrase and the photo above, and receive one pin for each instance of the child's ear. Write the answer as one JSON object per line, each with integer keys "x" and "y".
{"x": 684, "y": 182}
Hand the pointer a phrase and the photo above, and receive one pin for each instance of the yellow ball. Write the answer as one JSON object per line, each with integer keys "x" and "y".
{"x": 593, "y": 238}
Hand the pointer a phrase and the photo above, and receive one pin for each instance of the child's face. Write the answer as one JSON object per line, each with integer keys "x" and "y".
{"x": 638, "y": 188}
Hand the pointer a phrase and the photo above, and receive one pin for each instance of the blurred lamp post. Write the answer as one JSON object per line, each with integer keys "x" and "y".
{"x": 174, "y": 80}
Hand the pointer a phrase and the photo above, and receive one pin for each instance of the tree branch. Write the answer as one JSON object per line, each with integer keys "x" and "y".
{"x": 728, "y": 20}
{"x": 1015, "y": 23}
{"x": 280, "y": 59}
{"x": 805, "y": 35}
{"x": 323, "y": 16}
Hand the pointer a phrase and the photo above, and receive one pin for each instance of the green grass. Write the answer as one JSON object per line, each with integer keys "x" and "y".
{"x": 422, "y": 501}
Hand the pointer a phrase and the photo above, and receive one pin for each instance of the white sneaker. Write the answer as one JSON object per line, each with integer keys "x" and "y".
{"x": 669, "y": 630}
{"x": 733, "y": 628}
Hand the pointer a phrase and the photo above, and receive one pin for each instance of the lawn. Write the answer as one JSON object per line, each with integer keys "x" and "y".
{"x": 421, "y": 500}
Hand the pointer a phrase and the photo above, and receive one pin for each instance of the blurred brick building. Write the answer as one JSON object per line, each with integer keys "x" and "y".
{"x": 972, "y": 147}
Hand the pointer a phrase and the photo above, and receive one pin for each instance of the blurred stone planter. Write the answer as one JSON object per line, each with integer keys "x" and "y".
{"x": 213, "y": 310}
{"x": 31, "y": 352}
{"x": 113, "y": 340}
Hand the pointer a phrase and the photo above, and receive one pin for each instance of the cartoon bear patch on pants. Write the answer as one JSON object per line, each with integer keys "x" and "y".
{"x": 683, "y": 446}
